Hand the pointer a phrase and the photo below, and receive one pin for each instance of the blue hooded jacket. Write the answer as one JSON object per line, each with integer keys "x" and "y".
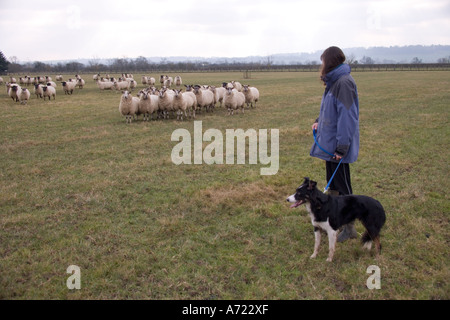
{"x": 338, "y": 122}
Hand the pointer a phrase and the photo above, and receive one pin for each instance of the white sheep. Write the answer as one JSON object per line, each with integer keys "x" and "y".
{"x": 59, "y": 78}
{"x": 190, "y": 92}
{"x": 219, "y": 93}
{"x": 1, "y": 80}
{"x": 68, "y": 86}
{"x": 151, "y": 81}
{"x": 237, "y": 85}
{"x": 144, "y": 80}
{"x": 251, "y": 95}
{"x": 105, "y": 85}
{"x": 122, "y": 85}
{"x": 168, "y": 82}
{"x": 148, "y": 105}
{"x": 24, "y": 96}
{"x": 49, "y": 92}
{"x": 233, "y": 100}
{"x": 94, "y": 77}
{"x": 51, "y": 83}
{"x": 128, "y": 106}
{"x": 165, "y": 103}
{"x": 205, "y": 98}
{"x": 184, "y": 103}
{"x": 81, "y": 83}
{"x": 178, "y": 82}
{"x": 38, "y": 91}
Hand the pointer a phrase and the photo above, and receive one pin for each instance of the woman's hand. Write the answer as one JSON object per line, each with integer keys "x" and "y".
{"x": 315, "y": 125}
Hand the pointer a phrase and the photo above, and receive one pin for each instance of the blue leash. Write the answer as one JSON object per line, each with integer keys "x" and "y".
{"x": 331, "y": 179}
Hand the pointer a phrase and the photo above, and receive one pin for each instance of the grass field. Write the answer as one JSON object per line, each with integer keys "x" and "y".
{"x": 79, "y": 186}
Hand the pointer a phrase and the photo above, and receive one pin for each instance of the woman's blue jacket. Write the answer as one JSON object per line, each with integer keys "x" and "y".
{"x": 338, "y": 122}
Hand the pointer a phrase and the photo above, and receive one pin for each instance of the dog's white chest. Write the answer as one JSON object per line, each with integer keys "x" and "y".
{"x": 324, "y": 225}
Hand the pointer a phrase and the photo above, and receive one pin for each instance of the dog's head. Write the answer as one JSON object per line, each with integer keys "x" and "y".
{"x": 304, "y": 193}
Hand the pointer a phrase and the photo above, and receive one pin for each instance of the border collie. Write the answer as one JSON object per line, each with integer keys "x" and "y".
{"x": 329, "y": 213}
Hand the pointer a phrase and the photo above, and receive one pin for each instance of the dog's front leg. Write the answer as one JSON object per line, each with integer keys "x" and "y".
{"x": 317, "y": 236}
{"x": 332, "y": 235}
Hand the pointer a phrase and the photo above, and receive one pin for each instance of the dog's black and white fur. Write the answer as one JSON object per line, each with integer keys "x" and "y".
{"x": 329, "y": 213}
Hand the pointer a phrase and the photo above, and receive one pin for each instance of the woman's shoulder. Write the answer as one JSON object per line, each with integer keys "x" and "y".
{"x": 344, "y": 83}
{"x": 345, "y": 90}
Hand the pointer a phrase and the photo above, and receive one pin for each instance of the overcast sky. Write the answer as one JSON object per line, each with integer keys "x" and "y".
{"x": 55, "y": 30}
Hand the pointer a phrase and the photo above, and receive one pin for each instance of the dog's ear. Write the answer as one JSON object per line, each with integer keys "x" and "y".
{"x": 312, "y": 185}
{"x": 306, "y": 181}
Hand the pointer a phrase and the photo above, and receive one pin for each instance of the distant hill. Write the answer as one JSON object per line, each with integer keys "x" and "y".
{"x": 396, "y": 54}
{"x": 405, "y": 54}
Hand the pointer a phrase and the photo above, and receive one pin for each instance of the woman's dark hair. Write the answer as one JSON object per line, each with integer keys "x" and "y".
{"x": 331, "y": 58}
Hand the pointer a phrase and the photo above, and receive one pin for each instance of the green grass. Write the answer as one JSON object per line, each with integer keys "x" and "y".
{"x": 79, "y": 186}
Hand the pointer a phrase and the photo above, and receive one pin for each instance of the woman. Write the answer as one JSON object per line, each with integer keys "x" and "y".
{"x": 338, "y": 126}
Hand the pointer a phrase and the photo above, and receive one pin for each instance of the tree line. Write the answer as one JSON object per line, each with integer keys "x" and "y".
{"x": 141, "y": 64}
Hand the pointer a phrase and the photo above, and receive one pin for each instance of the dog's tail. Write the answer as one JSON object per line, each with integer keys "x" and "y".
{"x": 373, "y": 224}
{"x": 371, "y": 237}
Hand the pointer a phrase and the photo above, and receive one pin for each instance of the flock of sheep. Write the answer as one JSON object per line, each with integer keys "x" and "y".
{"x": 150, "y": 102}
{"x": 155, "y": 103}
{"x": 44, "y": 87}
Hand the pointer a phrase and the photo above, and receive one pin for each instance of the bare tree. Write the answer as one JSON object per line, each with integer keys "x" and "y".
{"x": 367, "y": 60}
{"x": 351, "y": 59}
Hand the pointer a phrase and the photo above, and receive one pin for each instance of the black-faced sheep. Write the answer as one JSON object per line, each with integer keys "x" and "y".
{"x": 14, "y": 91}
{"x": 68, "y": 86}
{"x": 24, "y": 96}
{"x": 49, "y": 92}
{"x": 80, "y": 83}
{"x": 38, "y": 91}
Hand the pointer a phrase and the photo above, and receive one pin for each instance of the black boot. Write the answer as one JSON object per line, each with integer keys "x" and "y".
{"x": 348, "y": 232}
